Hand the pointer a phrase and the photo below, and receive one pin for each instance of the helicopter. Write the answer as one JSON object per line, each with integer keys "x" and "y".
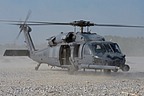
{"x": 73, "y": 50}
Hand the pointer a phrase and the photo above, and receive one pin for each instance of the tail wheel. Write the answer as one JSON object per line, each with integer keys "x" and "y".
{"x": 37, "y": 67}
{"x": 125, "y": 68}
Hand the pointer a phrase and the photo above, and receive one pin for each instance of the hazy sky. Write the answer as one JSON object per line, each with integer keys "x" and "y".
{"x": 127, "y": 12}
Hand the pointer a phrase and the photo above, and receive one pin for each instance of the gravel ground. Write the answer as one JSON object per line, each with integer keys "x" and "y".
{"x": 18, "y": 78}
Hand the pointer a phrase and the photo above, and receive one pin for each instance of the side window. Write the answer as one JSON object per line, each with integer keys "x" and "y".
{"x": 99, "y": 48}
{"x": 86, "y": 50}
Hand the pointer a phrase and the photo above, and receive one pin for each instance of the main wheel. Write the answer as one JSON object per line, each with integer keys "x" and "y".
{"x": 125, "y": 68}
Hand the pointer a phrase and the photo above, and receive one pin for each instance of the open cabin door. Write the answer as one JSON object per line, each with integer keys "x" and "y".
{"x": 64, "y": 55}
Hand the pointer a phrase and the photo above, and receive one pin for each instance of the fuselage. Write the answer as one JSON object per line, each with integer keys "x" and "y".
{"x": 87, "y": 53}
{"x": 81, "y": 50}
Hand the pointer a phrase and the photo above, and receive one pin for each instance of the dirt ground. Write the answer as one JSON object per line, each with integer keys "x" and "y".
{"x": 17, "y": 73}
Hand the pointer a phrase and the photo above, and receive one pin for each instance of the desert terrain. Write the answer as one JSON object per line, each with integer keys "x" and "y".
{"x": 18, "y": 78}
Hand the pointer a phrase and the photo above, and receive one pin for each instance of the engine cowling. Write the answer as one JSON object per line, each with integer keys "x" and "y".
{"x": 62, "y": 38}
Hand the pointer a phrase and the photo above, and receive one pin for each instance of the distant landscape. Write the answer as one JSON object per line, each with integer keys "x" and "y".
{"x": 130, "y": 46}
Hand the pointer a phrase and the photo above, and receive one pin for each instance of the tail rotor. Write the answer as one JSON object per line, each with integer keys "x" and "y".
{"x": 23, "y": 26}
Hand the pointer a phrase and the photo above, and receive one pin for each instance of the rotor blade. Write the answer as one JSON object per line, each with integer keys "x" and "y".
{"x": 16, "y": 21}
{"x": 113, "y": 25}
{"x": 21, "y": 29}
{"x": 52, "y": 23}
{"x": 37, "y": 22}
{"x": 10, "y": 21}
{"x": 18, "y": 35}
{"x": 27, "y": 17}
{"x": 24, "y": 23}
{"x": 43, "y": 24}
{"x": 48, "y": 23}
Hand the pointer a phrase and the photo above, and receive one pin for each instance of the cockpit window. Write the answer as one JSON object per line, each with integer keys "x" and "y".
{"x": 101, "y": 48}
{"x": 115, "y": 48}
{"x": 108, "y": 48}
{"x": 98, "y": 48}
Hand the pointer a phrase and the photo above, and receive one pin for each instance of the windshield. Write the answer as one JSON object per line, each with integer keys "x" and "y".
{"x": 101, "y": 48}
{"x": 115, "y": 48}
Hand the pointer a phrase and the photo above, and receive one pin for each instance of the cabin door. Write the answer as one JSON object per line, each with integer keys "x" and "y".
{"x": 64, "y": 55}
{"x": 87, "y": 56}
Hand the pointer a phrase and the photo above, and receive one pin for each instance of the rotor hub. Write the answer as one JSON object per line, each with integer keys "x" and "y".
{"x": 82, "y": 23}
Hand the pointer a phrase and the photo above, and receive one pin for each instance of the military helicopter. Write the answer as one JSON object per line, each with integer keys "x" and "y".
{"x": 74, "y": 50}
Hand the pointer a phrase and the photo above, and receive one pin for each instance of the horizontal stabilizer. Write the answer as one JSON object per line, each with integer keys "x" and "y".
{"x": 16, "y": 53}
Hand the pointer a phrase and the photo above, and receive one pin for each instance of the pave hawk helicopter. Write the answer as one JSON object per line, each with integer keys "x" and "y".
{"x": 74, "y": 50}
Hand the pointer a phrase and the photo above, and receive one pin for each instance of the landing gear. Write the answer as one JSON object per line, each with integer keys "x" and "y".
{"x": 125, "y": 68}
{"x": 37, "y": 67}
{"x": 107, "y": 71}
{"x": 72, "y": 69}
{"x": 115, "y": 70}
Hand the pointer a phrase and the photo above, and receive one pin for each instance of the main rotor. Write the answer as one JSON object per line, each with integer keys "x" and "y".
{"x": 80, "y": 23}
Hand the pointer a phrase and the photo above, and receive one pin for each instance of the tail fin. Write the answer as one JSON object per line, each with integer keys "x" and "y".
{"x": 26, "y": 30}
{"x": 28, "y": 38}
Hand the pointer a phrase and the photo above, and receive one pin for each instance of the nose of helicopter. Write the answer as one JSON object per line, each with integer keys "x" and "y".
{"x": 113, "y": 57}
{"x": 119, "y": 61}
{"x": 116, "y": 60}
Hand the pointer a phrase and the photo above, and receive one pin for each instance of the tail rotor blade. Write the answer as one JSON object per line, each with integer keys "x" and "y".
{"x": 18, "y": 35}
{"x": 24, "y": 23}
{"x": 27, "y": 17}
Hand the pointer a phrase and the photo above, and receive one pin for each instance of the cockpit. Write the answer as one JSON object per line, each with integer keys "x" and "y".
{"x": 104, "y": 47}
